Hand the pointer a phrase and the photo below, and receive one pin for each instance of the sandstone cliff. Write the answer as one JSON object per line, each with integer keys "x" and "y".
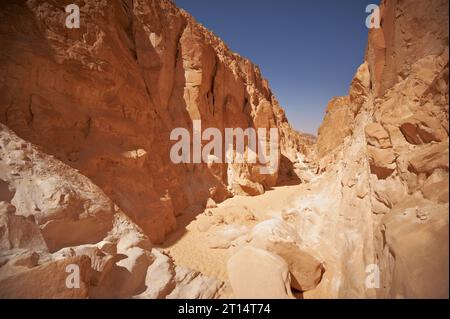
{"x": 86, "y": 178}
{"x": 52, "y": 217}
{"x": 104, "y": 99}
{"x": 386, "y": 145}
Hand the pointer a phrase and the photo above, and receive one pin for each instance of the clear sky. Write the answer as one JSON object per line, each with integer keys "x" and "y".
{"x": 308, "y": 50}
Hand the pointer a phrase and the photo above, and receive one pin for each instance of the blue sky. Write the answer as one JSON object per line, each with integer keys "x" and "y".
{"x": 309, "y": 50}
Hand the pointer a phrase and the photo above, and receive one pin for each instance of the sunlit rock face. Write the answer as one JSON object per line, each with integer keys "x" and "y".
{"x": 390, "y": 153}
{"x": 89, "y": 195}
{"x": 104, "y": 98}
{"x": 52, "y": 219}
{"x": 87, "y": 113}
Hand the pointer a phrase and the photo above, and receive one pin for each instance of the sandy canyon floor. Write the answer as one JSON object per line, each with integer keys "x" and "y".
{"x": 207, "y": 237}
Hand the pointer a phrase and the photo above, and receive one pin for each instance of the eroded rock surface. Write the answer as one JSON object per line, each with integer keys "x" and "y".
{"x": 256, "y": 273}
{"x": 104, "y": 99}
{"x": 391, "y": 150}
{"x": 86, "y": 178}
{"x": 66, "y": 222}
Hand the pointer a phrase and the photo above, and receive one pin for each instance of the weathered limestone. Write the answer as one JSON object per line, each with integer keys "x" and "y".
{"x": 392, "y": 161}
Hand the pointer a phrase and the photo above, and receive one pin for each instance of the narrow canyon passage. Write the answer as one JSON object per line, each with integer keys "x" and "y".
{"x": 206, "y": 238}
{"x": 92, "y": 119}
{"x": 193, "y": 245}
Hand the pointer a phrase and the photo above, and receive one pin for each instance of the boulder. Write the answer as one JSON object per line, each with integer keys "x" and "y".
{"x": 306, "y": 271}
{"x": 49, "y": 280}
{"x": 255, "y": 273}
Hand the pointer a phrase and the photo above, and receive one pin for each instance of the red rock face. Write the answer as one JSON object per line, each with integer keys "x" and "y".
{"x": 104, "y": 98}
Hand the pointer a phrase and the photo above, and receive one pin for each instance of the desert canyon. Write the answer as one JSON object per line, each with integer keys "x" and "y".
{"x": 86, "y": 178}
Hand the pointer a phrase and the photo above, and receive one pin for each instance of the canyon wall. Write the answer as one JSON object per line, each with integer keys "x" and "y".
{"x": 62, "y": 237}
{"x": 86, "y": 177}
{"x": 384, "y": 147}
{"x": 85, "y": 170}
{"x": 104, "y": 99}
